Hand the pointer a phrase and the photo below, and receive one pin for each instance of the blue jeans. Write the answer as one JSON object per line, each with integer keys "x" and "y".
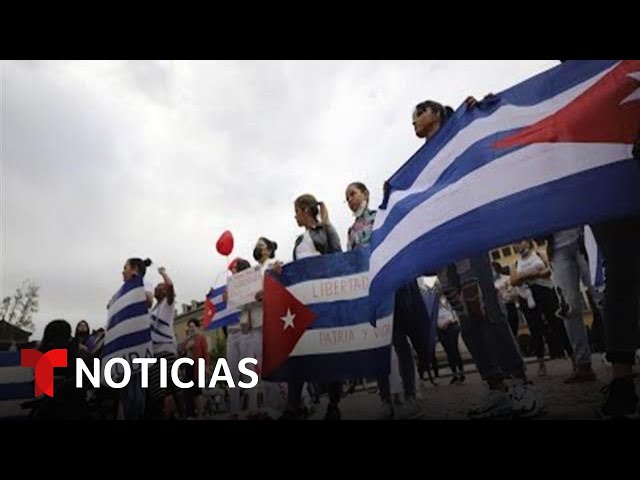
{"x": 567, "y": 266}
{"x": 411, "y": 321}
{"x": 486, "y": 333}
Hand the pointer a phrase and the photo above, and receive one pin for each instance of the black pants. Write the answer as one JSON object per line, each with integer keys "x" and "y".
{"x": 449, "y": 340}
{"x": 411, "y": 322}
{"x": 294, "y": 395}
{"x": 550, "y": 326}
{"x": 513, "y": 319}
{"x": 620, "y": 244}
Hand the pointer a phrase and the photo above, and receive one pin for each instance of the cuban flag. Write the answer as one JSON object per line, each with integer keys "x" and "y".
{"x": 128, "y": 334}
{"x": 551, "y": 153}
{"x": 16, "y": 385}
{"x": 320, "y": 323}
{"x": 216, "y": 312}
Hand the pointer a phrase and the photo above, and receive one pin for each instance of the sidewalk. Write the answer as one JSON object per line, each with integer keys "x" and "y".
{"x": 451, "y": 402}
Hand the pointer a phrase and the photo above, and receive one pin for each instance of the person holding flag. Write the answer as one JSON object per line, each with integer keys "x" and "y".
{"x": 128, "y": 333}
{"x": 319, "y": 238}
{"x": 408, "y": 322}
{"x": 468, "y": 287}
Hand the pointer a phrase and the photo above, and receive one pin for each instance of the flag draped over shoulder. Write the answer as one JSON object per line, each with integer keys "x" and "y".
{"x": 128, "y": 334}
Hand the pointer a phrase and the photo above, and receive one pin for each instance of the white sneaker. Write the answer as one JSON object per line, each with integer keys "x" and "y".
{"x": 527, "y": 402}
{"x": 410, "y": 410}
{"x": 495, "y": 404}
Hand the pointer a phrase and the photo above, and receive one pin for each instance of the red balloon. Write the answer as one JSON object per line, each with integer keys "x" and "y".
{"x": 224, "y": 245}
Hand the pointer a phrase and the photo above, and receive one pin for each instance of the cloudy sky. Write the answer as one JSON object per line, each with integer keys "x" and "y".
{"x": 101, "y": 161}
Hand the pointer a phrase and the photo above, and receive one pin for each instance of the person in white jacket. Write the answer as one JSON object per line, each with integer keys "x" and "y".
{"x": 274, "y": 402}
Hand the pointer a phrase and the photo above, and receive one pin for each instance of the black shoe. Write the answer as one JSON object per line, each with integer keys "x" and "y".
{"x": 333, "y": 413}
{"x": 461, "y": 379}
{"x": 453, "y": 380}
{"x": 621, "y": 400}
{"x": 300, "y": 414}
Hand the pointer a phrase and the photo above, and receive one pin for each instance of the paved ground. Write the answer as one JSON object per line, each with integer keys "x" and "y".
{"x": 451, "y": 402}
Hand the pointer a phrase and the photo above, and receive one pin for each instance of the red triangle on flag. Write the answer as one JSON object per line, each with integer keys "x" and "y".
{"x": 209, "y": 312}
{"x": 285, "y": 321}
{"x": 607, "y": 112}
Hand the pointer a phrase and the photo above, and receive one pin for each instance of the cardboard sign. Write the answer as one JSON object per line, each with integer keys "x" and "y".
{"x": 243, "y": 286}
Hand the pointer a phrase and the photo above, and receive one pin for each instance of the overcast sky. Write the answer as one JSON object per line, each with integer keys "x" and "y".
{"x": 101, "y": 161}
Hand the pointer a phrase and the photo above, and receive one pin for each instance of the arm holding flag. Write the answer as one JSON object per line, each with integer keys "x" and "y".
{"x": 171, "y": 295}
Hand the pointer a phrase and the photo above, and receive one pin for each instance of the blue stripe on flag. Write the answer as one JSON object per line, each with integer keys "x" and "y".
{"x": 348, "y": 312}
{"x": 134, "y": 282}
{"x": 335, "y": 366}
{"x": 552, "y": 82}
{"x": 16, "y": 391}
{"x": 130, "y": 311}
{"x": 478, "y": 155}
{"x": 220, "y": 307}
{"x": 224, "y": 321}
{"x": 216, "y": 292}
{"x": 125, "y": 342}
{"x": 10, "y": 359}
{"x": 577, "y": 201}
{"x": 331, "y": 266}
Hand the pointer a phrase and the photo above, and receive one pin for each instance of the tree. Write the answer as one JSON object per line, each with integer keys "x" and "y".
{"x": 19, "y": 309}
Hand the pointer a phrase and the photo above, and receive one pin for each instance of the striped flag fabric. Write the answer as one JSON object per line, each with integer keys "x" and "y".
{"x": 320, "y": 324}
{"x": 216, "y": 312}
{"x": 550, "y": 153}
{"x": 128, "y": 333}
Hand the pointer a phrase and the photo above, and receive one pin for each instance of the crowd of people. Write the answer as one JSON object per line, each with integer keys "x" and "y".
{"x": 479, "y": 301}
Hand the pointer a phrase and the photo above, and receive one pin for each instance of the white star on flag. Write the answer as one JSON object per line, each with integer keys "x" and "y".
{"x": 288, "y": 320}
{"x": 635, "y": 95}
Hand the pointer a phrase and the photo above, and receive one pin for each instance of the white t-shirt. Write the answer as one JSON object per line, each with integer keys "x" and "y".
{"x": 306, "y": 248}
{"x": 532, "y": 264}
{"x": 506, "y": 292}
{"x": 256, "y": 307}
{"x": 162, "y": 333}
{"x": 445, "y": 317}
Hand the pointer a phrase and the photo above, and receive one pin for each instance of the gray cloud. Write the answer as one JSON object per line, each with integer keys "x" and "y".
{"x": 106, "y": 160}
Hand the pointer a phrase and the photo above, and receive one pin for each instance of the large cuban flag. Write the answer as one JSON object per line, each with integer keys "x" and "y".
{"x": 550, "y": 153}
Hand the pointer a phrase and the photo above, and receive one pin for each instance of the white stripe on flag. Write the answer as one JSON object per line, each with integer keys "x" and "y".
{"x": 133, "y": 296}
{"x": 325, "y": 290}
{"x": 217, "y": 299}
{"x": 16, "y": 374}
{"x": 505, "y": 118}
{"x": 139, "y": 351}
{"x": 516, "y": 172}
{"x": 351, "y": 338}
{"x": 12, "y": 408}
{"x": 223, "y": 314}
{"x": 130, "y": 325}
